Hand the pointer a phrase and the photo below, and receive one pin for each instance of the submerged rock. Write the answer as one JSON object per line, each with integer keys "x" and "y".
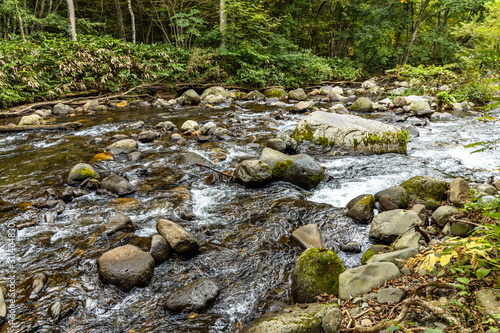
{"x": 314, "y": 317}
{"x": 316, "y": 272}
{"x": 117, "y": 185}
{"x": 80, "y": 172}
{"x": 301, "y": 170}
{"x": 126, "y": 267}
{"x": 194, "y": 296}
{"x": 181, "y": 240}
{"x": 350, "y": 132}
{"x": 119, "y": 222}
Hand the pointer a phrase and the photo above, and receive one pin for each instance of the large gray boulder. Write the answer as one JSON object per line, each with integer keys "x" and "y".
{"x": 362, "y": 104}
{"x": 253, "y": 173}
{"x": 126, "y": 267}
{"x": 62, "y": 109}
{"x": 191, "y": 97}
{"x": 308, "y": 236}
{"x": 301, "y": 170}
{"x": 117, "y": 184}
{"x": 316, "y": 272}
{"x": 357, "y": 281}
{"x": 419, "y": 105}
{"x": 194, "y": 296}
{"x": 296, "y": 319}
{"x": 80, "y": 172}
{"x": 388, "y": 226}
{"x": 425, "y": 190}
{"x": 362, "y": 210}
{"x": 159, "y": 248}
{"x": 459, "y": 192}
{"x": 410, "y": 240}
{"x": 297, "y": 94}
{"x": 396, "y": 194}
{"x": 488, "y": 302}
{"x": 215, "y": 95}
{"x": 442, "y": 215}
{"x": 123, "y": 147}
{"x": 350, "y": 132}
{"x": 398, "y": 258}
{"x": 33, "y": 119}
{"x": 181, "y": 240}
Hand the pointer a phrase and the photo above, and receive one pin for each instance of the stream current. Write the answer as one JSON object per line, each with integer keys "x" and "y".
{"x": 245, "y": 233}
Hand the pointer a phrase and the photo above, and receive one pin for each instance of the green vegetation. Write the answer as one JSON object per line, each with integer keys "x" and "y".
{"x": 281, "y": 167}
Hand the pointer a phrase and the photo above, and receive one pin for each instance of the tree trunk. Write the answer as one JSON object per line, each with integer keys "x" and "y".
{"x": 72, "y": 22}
{"x": 223, "y": 23}
{"x": 132, "y": 17}
{"x": 418, "y": 24}
{"x": 21, "y": 28}
{"x": 119, "y": 18}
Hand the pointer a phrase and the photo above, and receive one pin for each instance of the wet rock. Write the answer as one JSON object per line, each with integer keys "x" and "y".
{"x": 301, "y": 170}
{"x": 357, "y": 281}
{"x": 102, "y": 157}
{"x": 120, "y": 136}
{"x": 255, "y": 95}
{"x": 33, "y": 119}
{"x": 362, "y": 210}
{"x": 362, "y": 104}
{"x": 190, "y": 158}
{"x": 159, "y": 249}
{"x": 338, "y": 109}
{"x": 214, "y": 95}
{"x": 134, "y": 156}
{"x": 159, "y": 103}
{"x": 143, "y": 104}
{"x": 442, "y": 215}
{"x": 273, "y": 92}
{"x": 419, "y": 106}
{"x": 208, "y": 128}
{"x": 181, "y": 240}
{"x": 122, "y": 104}
{"x": 316, "y": 272}
{"x": 296, "y": 319}
{"x": 191, "y": 97}
{"x": 396, "y": 194}
{"x": 388, "y": 295}
{"x": 291, "y": 144}
{"x": 399, "y": 102}
{"x": 126, "y": 267}
{"x": 80, "y": 172}
{"x": 190, "y": 126}
{"x": 297, "y": 94}
{"x": 90, "y": 105}
{"x": 408, "y": 241}
{"x": 425, "y": 190}
{"x": 303, "y": 106}
{"x": 119, "y": 222}
{"x": 253, "y": 173}
{"x": 414, "y": 133}
{"x": 147, "y": 136}
{"x": 308, "y": 237}
{"x": 38, "y": 282}
{"x": 195, "y": 296}
{"x": 398, "y": 258}
{"x": 117, "y": 184}
{"x": 488, "y": 302}
{"x": 388, "y": 226}
{"x": 101, "y": 108}
{"x": 350, "y": 132}
{"x": 62, "y": 109}
{"x": 166, "y": 125}
{"x": 277, "y": 144}
{"x": 353, "y": 247}
{"x": 387, "y": 204}
{"x": 123, "y": 147}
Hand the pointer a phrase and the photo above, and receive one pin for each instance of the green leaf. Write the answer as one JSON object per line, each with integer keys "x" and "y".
{"x": 463, "y": 280}
{"x": 432, "y": 330}
{"x": 482, "y": 272}
{"x": 393, "y": 328}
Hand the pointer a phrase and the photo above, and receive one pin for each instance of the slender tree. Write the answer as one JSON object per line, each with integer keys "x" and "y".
{"x": 132, "y": 17}
{"x": 223, "y": 23}
{"x": 72, "y": 23}
{"x": 119, "y": 18}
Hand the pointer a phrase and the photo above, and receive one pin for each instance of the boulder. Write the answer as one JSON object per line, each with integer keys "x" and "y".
{"x": 396, "y": 194}
{"x": 119, "y": 222}
{"x": 277, "y": 144}
{"x": 313, "y": 318}
{"x": 159, "y": 248}
{"x": 316, "y": 272}
{"x": 208, "y": 128}
{"x": 353, "y": 247}
{"x": 297, "y": 94}
{"x": 255, "y": 95}
{"x": 189, "y": 158}
{"x": 373, "y": 250}
{"x": 62, "y": 109}
{"x": 350, "y": 132}
{"x": 388, "y": 295}
{"x": 488, "y": 302}
{"x": 126, "y": 267}
{"x": 368, "y": 84}
{"x": 166, "y": 125}
{"x": 215, "y": 95}
{"x": 308, "y": 236}
{"x": 195, "y": 296}
{"x": 459, "y": 229}
{"x": 442, "y": 215}
{"x": 425, "y": 190}
{"x": 325, "y": 90}
{"x": 90, "y": 105}
{"x": 357, "y": 281}
{"x": 388, "y": 226}
{"x": 190, "y": 125}
{"x": 33, "y": 119}
{"x": 362, "y": 210}
{"x": 270, "y": 93}
{"x": 181, "y": 240}
{"x": 291, "y": 144}
{"x": 419, "y": 106}
{"x": 80, "y": 172}
{"x": 147, "y": 136}
{"x": 253, "y": 173}
{"x": 123, "y": 147}
{"x": 338, "y": 109}
{"x": 484, "y": 190}
{"x": 399, "y": 102}
{"x": 408, "y": 241}
{"x": 362, "y": 104}
{"x": 398, "y": 258}
{"x": 303, "y": 106}
{"x": 160, "y": 103}
{"x": 301, "y": 170}
{"x": 387, "y": 204}
{"x": 191, "y": 97}
{"x": 117, "y": 184}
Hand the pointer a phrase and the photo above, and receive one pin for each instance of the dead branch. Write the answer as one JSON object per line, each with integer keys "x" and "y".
{"x": 380, "y": 326}
{"x": 53, "y": 127}
{"x": 436, "y": 310}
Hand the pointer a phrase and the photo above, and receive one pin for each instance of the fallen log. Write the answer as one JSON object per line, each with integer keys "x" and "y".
{"x": 50, "y": 127}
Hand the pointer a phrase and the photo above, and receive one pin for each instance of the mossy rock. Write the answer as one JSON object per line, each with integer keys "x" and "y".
{"x": 373, "y": 250}
{"x": 362, "y": 210}
{"x": 425, "y": 190}
{"x": 80, "y": 172}
{"x": 316, "y": 272}
{"x": 270, "y": 93}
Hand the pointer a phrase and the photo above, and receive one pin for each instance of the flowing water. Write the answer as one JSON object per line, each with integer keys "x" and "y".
{"x": 245, "y": 233}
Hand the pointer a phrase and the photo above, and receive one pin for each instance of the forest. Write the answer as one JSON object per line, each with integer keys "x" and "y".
{"x": 52, "y": 48}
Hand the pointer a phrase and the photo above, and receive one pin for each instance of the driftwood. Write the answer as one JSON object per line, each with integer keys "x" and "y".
{"x": 53, "y": 127}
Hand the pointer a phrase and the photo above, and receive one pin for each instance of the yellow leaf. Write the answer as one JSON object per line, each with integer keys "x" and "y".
{"x": 444, "y": 260}
{"x": 428, "y": 263}
{"x": 192, "y": 315}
